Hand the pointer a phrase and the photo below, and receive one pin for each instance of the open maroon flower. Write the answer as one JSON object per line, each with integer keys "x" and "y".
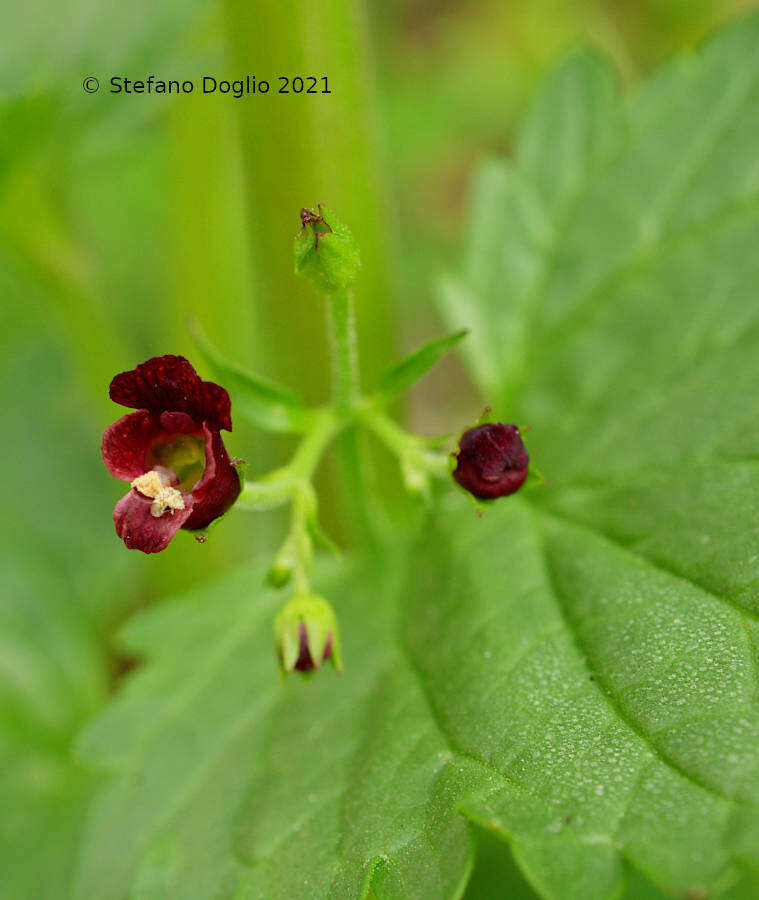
{"x": 170, "y": 450}
{"x": 492, "y": 461}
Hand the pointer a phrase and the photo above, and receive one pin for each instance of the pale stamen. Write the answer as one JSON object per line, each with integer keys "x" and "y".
{"x": 153, "y": 485}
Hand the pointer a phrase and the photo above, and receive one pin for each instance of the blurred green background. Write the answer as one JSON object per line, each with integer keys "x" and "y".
{"x": 121, "y": 215}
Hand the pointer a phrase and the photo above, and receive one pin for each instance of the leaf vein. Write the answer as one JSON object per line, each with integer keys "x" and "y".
{"x": 608, "y": 695}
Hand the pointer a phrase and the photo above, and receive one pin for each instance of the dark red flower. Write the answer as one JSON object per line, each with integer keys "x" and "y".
{"x": 170, "y": 450}
{"x": 492, "y": 461}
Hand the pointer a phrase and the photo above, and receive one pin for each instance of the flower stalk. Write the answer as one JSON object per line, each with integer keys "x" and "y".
{"x": 326, "y": 254}
{"x": 417, "y": 460}
{"x": 346, "y": 397}
{"x": 293, "y": 484}
{"x": 172, "y": 453}
{"x": 341, "y": 318}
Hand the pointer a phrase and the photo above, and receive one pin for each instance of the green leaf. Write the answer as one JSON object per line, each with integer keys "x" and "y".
{"x": 223, "y": 780}
{"x": 607, "y": 692}
{"x": 57, "y": 567}
{"x": 410, "y": 369}
{"x": 628, "y": 338}
{"x": 576, "y": 671}
{"x": 519, "y": 213}
{"x": 264, "y": 402}
{"x": 495, "y": 865}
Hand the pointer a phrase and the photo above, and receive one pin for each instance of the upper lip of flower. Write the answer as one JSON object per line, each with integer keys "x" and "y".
{"x": 171, "y": 401}
{"x": 170, "y": 384}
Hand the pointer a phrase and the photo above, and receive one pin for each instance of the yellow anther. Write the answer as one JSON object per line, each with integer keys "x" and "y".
{"x": 153, "y": 484}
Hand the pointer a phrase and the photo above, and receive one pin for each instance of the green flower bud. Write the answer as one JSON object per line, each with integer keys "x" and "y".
{"x": 281, "y": 570}
{"x": 325, "y": 251}
{"x": 306, "y": 634}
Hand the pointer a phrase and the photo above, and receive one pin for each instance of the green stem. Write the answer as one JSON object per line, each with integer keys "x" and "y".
{"x": 346, "y": 396}
{"x": 325, "y": 426}
{"x": 346, "y": 387}
{"x": 301, "y": 153}
{"x": 409, "y": 448}
{"x": 279, "y": 486}
{"x": 301, "y": 543}
{"x": 292, "y": 483}
{"x": 268, "y": 493}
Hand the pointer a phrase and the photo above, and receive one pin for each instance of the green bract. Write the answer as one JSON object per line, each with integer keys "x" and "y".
{"x": 576, "y": 671}
{"x": 325, "y": 251}
{"x": 401, "y": 376}
{"x": 261, "y": 400}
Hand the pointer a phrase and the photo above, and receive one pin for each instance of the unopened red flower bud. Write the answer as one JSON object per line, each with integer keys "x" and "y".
{"x": 492, "y": 461}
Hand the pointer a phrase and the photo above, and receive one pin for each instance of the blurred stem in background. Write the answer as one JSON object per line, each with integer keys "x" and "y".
{"x": 300, "y": 150}
{"x": 36, "y": 227}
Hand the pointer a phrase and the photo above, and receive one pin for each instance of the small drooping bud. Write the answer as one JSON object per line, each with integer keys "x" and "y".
{"x": 306, "y": 634}
{"x": 492, "y": 461}
{"x": 325, "y": 251}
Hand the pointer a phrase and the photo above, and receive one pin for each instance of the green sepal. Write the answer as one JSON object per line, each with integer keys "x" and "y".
{"x": 535, "y": 478}
{"x": 325, "y": 251}
{"x": 241, "y": 467}
{"x": 399, "y": 377}
{"x": 287, "y": 636}
{"x": 336, "y": 655}
{"x": 320, "y": 622}
{"x": 262, "y": 401}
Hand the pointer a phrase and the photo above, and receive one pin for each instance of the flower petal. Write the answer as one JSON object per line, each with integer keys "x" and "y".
{"x": 169, "y": 384}
{"x": 492, "y": 461}
{"x": 162, "y": 384}
{"x": 219, "y": 487}
{"x": 217, "y": 406}
{"x": 125, "y": 444}
{"x": 140, "y": 529}
{"x": 178, "y": 423}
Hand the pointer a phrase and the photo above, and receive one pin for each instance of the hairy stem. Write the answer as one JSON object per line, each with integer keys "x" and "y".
{"x": 292, "y": 484}
{"x": 310, "y": 450}
{"x": 409, "y": 448}
{"x": 302, "y": 546}
{"x": 341, "y": 317}
{"x": 346, "y": 394}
